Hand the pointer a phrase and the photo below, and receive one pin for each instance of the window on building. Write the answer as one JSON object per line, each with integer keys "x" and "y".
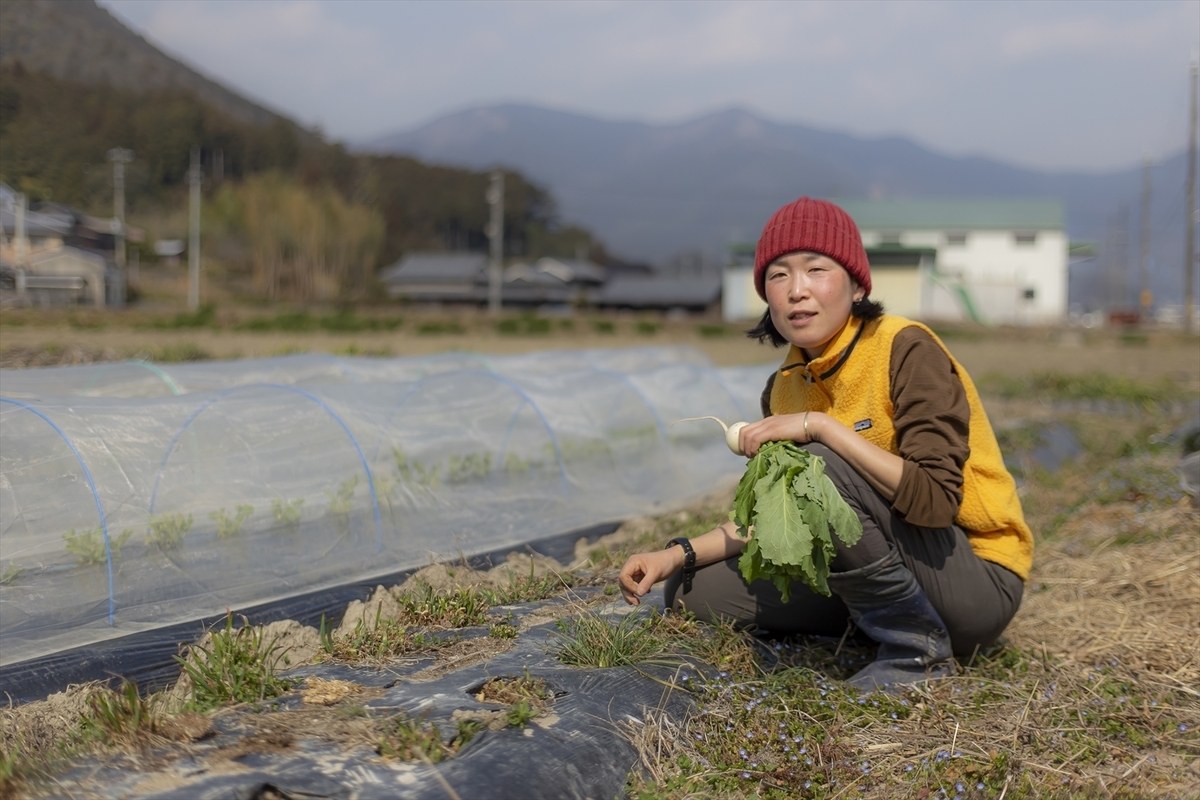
{"x": 958, "y": 238}
{"x": 1030, "y": 293}
{"x": 889, "y": 239}
{"x": 1025, "y": 237}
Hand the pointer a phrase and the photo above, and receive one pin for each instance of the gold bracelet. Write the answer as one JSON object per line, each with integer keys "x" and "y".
{"x": 806, "y": 439}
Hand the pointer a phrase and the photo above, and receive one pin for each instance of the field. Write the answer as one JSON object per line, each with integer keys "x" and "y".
{"x": 33, "y": 337}
{"x": 1093, "y": 692}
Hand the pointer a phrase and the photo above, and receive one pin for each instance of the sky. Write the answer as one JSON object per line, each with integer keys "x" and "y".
{"x": 1061, "y": 86}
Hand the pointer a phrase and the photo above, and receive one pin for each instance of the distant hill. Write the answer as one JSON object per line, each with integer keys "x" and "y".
{"x": 74, "y": 82}
{"x": 78, "y": 41}
{"x": 652, "y": 190}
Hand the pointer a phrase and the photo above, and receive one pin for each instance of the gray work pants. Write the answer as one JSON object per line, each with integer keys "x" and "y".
{"x": 975, "y": 598}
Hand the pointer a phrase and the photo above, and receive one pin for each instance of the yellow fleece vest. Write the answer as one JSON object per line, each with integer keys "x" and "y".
{"x": 858, "y": 395}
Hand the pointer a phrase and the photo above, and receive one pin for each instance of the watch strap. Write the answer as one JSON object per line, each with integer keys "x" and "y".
{"x": 689, "y": 560}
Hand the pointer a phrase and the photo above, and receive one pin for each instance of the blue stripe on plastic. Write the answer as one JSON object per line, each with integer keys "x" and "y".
{"x": 95, "y": 495}
{"x": 137, "y": 362}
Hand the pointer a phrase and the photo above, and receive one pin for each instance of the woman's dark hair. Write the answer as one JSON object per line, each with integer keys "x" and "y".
{"x": 865, "y": 309}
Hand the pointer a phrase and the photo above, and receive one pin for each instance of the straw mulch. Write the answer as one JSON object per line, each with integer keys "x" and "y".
{"x": 1120, "y": 584}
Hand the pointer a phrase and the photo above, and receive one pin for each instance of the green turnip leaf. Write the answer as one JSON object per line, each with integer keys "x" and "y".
{"x": 794, "y": 510}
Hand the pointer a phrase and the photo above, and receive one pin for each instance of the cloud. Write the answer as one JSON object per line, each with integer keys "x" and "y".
{"x": 1094, "y": 35}
{"x": 1018, "y": 81}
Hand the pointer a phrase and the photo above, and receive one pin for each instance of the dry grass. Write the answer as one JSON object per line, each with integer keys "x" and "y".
{"x": 1096, "y": 598}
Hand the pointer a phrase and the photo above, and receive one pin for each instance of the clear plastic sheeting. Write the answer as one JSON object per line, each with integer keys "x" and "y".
{"x": 137, "y": 378}
{"x": 125, "y": 508}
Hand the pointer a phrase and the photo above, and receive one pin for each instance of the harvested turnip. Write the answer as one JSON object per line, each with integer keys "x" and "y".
{"x": 731, "y": 432}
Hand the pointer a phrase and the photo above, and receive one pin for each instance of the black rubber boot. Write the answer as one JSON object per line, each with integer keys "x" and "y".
{"x": 887, "y": 604}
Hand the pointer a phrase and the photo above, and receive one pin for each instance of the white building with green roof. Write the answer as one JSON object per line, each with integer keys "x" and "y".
{"x": 997, "y": 261}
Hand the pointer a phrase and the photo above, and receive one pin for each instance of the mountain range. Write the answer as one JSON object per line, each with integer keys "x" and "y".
{"x": 650, "y": 191}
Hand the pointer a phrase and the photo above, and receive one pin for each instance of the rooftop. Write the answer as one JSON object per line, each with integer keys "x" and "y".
{"x": 435, "y": 267}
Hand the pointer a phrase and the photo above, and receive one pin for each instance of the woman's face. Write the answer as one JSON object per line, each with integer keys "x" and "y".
{"x": 809, "y": 296}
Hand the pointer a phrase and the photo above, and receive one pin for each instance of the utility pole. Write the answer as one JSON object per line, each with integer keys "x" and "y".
{"x": 22, "y": 241}
{"x": 119, "y": 157}
{"x": 194, "y": 177}
{"x": 495, "y": 233}
{"x": 1145, "y": 298}
{"x": 1189, "y": 249}
{"x": 21, "y": 244}
{"x": 1122, "y": 252}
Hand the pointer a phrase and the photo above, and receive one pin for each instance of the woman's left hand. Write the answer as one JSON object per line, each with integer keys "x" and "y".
{"x": 778, "y": 428}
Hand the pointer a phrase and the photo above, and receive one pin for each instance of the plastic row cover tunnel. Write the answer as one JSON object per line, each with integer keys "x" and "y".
{"x": 119, "y": 515}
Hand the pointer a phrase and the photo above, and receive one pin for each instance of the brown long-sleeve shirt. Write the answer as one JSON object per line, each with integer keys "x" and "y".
{"x": 931, "y": 421}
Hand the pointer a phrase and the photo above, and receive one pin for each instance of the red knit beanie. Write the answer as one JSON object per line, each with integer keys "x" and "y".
{"x": 815, "y": 225}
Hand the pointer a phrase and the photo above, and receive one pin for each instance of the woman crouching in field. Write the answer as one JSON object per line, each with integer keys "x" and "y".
{"x": 940, "y": 568}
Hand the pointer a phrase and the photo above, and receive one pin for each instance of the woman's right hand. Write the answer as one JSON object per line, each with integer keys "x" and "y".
{"x": 643, "y": 570}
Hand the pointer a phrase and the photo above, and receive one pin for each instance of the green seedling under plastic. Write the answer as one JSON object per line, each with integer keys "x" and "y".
{"x": 515, "y": 465}
{"x": 385, "y": 490}
{"x": 10, "y": 573}
{"x": 167, "y": 530}
{"x": 227, "y": 526}
{"x": 342, "y": 500}
{"x": 287, "y": 512}
{"x": 88, "y": 546}
{"x": 415, "y": 472}
{"x": 471, "y": 467}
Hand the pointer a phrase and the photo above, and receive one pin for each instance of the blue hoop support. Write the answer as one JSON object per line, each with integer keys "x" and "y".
{"x": 716, "y": 376}
{"x": 658, "y": 423}
{"x": 295, "y": 390}
{"x": 95, "y": 496}
{"x": 562, "y": 466}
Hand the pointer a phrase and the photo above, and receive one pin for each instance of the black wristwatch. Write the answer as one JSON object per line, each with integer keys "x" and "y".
{"x": 689, "y": 560}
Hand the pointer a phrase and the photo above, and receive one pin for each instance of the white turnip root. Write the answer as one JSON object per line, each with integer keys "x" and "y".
{"x": 731, "y": 432}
